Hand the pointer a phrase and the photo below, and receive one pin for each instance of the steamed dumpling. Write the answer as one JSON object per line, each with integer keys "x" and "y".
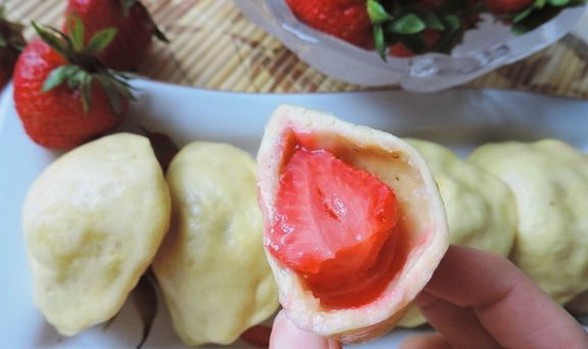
{"x": 211, "y": 267}
{"x": 480, "y": 208}
{"x": 93, "y": 221}
{"x": 357, "y": 160}
{"x": 549, "y": 180}
{"x": 481, "y": 211}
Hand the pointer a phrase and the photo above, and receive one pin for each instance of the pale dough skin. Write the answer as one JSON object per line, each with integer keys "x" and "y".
{"x": 211, "y": 267}
{"x": 423, "y": 218}
{"x": 549, "y": 180}
{"x": 481, "y": 211}
{"x": 93, "y": 221}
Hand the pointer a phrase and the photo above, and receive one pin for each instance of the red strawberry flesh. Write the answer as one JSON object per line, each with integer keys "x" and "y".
{"x": 336, "y": 226}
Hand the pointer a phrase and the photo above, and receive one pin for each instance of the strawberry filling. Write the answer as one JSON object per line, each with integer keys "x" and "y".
{"x": 337, "y": 227}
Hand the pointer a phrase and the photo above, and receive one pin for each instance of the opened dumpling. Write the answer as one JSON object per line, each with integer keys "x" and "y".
{"x": 480, "y": 208}
{"x": 549, "y": 180}
{"x": 354, "y": 224}
{"x": 211, "y": 266}
{"x": 93, "y": 221}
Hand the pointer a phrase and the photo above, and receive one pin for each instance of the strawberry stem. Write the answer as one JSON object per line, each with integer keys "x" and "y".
{"x": 83, "y": 68}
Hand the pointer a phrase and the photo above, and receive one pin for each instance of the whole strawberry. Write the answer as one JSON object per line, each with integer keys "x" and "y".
{"x": 63, "y": 95}
{"x": 345, "y": 19}
{"x": 134, "y": 25}
{"x": 11, "y": 43}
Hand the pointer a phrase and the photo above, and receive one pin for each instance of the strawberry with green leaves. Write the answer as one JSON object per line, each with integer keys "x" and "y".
{"x": 134, "y": 25}
{"x": 63, "y": 94}
{"x": 405, "y": 28}
{"x": 11, "y": 43}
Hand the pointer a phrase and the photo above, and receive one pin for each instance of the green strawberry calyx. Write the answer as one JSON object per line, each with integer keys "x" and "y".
{"x": 83, "y": 68}
{"x": 10, "y": 33}
{"x": 538, "y": 13}
{"x": 408, "y": 22}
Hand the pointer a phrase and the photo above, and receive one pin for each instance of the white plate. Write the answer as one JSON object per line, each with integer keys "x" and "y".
{"x": 461, "y": 119}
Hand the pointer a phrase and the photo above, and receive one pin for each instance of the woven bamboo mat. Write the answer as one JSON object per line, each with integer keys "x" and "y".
{"x": 213, "y": 46}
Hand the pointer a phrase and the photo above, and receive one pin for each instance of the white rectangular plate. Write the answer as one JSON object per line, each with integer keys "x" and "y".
{"x": 461, "y": 119}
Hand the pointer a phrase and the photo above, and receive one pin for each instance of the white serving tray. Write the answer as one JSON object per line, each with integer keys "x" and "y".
{"x": 461, "y": 119}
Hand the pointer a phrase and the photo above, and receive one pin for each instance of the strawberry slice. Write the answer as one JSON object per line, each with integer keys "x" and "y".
{"x": 332, "y": 222}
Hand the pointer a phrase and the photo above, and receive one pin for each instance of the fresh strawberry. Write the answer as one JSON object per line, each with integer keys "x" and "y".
{"x": 63, "y": 94}
{"x": 345, "y": 19}
{"x": 340, "y": 216}
{"x": 507, "y": 6}
{"x": 11, "y": 43}
{"x": 134, "y": 25}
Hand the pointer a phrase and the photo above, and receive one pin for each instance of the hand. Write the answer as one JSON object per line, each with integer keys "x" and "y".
{"x": 475, "y": 299}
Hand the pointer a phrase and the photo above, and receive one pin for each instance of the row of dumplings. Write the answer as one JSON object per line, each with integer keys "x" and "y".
{"x": 99, "y": 216}
{"x": 526, "y": 201}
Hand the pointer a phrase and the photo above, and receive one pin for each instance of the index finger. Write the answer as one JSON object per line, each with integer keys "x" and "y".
{"x": 508, "y": 304}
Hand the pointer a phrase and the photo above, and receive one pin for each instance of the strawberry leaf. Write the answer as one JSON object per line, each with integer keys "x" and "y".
{"x": 535, "y": 19}
{"x": 452, "y": 23}
{"x": 407, "y": 24}
{"x": 377, "y": 12}
{"x": 112, "y": 93}
{"x": 58, "y": 75}
{"x": 83, "y": 66}
{"x": 522, "y": 15}
{"x": 86, "y": 91}
{"x": 100, "y": 40}
{"x": 75, "y": 78}
{"x": 432, "y": 21}
{"x": 63, "y": 47}
{"x": 77, "y": 33}
{"x": 558, "y": 3}
{"x": 160, "y": 35}
{"x": 380, "y": 41}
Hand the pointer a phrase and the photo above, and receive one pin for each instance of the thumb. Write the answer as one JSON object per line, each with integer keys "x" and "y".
{"x": 285, "y": 335}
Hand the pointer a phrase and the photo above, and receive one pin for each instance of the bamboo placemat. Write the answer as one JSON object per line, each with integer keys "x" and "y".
{"x": 214, "y": 47}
